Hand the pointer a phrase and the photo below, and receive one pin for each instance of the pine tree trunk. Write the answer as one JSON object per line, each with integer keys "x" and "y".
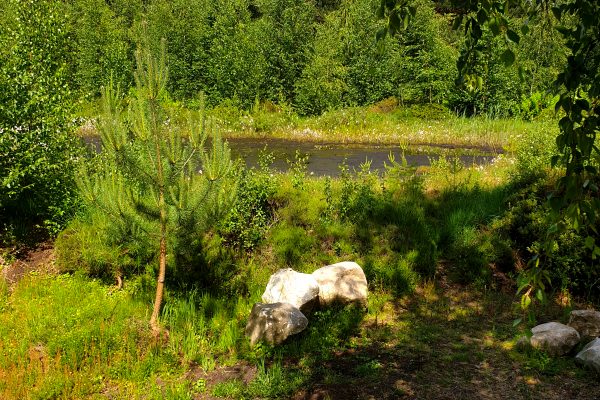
{"x": 160, "y": 284}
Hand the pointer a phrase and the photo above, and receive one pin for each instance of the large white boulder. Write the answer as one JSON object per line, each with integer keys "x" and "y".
{"x": 555, "y": 338}
{"x": 273, "y": 323}
{"x": 288, "y": 286}
{"x": 589, "y": 356}
{"x": 344, "y": 283}
{"x": 586, "y": 322}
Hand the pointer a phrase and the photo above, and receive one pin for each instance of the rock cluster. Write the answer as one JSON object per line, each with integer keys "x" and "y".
{"x": 289, "y": 294}
{"x": 558, "y": 339}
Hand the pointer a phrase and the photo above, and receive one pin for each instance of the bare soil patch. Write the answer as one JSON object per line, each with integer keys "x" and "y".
{"x": 40, "y": 258}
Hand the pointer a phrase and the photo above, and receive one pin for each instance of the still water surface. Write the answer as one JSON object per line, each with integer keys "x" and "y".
{"x": 324, "y": 159}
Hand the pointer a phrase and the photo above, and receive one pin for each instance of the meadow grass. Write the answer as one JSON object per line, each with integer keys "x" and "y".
{"x": 418, "y": 125}
{"x": 409, "y": 125}
{"x": 435, "y": 316}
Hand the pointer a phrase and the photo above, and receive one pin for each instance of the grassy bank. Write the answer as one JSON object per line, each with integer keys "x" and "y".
{"x": 437, "y": 253}
{"x": 383, "y": 123}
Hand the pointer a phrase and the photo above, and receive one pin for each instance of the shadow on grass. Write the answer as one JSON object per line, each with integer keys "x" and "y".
{"x": 442, "y": 342}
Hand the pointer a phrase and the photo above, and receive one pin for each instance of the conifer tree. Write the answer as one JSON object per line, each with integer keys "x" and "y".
{"x": 157, "y": 177}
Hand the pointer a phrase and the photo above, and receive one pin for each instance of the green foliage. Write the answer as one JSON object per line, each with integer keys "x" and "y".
{"x": 252, "y": 211}
{"x": 577, "y": 195}
{"x": 575, "y": 202}
{"x": 58, "y": 327}
{"x": 103, "y": 50}
{"x": 292, "y": 244}
{"x": 313, "y": 56}
{"x": 286, "y": 32}
{"x": 93, "y": 244}
{"x": 348, "y": 68}
{"x": 569, "y": 266}
{"x": 37, "y": 149}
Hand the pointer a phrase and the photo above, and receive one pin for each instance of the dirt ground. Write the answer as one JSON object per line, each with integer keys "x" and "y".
{"x": 39, "y": 258}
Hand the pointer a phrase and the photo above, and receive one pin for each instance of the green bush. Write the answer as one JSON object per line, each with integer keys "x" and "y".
{"x": 252, "y": 210}
{"x": 38, "y": 152}
{"x": 526, "y": 223}
{"x": 93, "y": 244}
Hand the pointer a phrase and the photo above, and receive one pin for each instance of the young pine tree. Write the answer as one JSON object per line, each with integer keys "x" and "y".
{"x": 156, "y": 177}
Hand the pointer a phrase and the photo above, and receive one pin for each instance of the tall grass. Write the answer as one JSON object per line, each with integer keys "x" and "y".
{"x": 422, "y": 125}
{"x": 206, "y": 329}
{"x": 428, "y": 125}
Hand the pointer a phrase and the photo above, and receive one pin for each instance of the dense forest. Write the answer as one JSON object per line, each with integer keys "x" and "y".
{"x": 135, "y": 241}
{"x": 313, "y": 56}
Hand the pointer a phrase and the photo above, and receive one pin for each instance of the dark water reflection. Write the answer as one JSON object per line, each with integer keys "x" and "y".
{"x": 324, "y": 158}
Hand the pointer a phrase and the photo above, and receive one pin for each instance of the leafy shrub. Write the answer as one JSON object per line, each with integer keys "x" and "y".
{"x": 252, "y": 210}
{"x": 533, "y": 153}
{"x": 37, "y": 149}
{"x": 533, "y": 105}
{"x": 93, "y": 244}
{"x": 526, "y": 223}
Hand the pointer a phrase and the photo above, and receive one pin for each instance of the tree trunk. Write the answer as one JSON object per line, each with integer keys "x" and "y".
{"x": 162, "y": 266}
{"x": 160, "y": 284}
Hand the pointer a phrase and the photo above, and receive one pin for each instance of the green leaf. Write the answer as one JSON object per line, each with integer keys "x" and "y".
{"x": 513, "y": 36}
{"x": 596, "y": 252}
{"x": 394, "y": 22}
{"x": 381, "y": 10}
{"x": 517, "y": 322}
{"x": 457, "y": 22}
{"x": 482, "y": 16}
{"x": 525, "y": 301}
{"x": 539, "y": 294}
{"x": 590, "y": 242}
{"x": 508, "y": 57}
{"x": 524, "y": 29}
{"x": 494, "y": 27}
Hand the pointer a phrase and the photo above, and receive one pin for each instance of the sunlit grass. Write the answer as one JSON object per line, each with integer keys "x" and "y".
{"x": 410, "y": 125}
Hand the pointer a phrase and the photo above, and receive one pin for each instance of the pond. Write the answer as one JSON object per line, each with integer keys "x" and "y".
{"x": 324, "y": 159}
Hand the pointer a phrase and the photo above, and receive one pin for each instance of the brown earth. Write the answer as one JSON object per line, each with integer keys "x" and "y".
{"x": 39, "y": 258}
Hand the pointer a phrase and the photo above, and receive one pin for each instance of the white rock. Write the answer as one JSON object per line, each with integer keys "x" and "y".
{"x": 344, "y": 282}
{"x": 555, "y": 338}
{"x": 288, "y": 286}
{"x": 589, "y": 357}
{"x": 586, "y": 322}
{"x": 273, "y": 323}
